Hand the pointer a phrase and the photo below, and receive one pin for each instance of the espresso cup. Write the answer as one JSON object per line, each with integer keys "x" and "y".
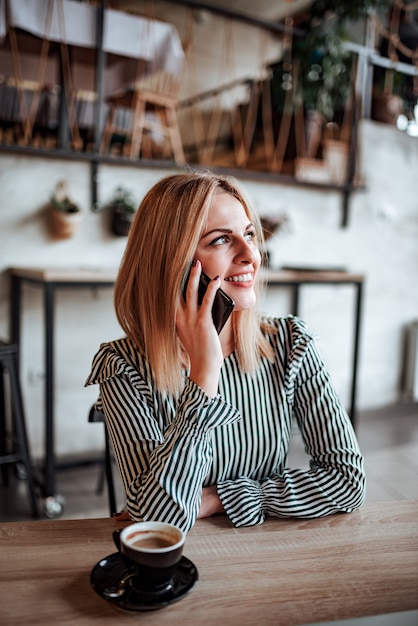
{"x": 151, "y": 551}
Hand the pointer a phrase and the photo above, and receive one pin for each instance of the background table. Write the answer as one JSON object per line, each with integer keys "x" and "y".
{"x": 50, "y": 281}
{"x": 75, "y": 23}
{"x": 283, "y": 572}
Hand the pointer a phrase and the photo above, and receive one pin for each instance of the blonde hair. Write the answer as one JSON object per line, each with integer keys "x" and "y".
{"x": 161, "y": 243}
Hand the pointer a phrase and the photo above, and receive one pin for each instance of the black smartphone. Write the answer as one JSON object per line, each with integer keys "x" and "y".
{"x": 223, "y": 305}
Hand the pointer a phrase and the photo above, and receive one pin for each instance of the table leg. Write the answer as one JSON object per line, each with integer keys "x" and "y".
{"x": 49, "y": 468}
{"x": 3, "y": 434}
{"x": 359, "y": 294}
{"x": 14, "y": 333}
{"x": 295, "y": 303}
{"x": 15, "y": 311}
{"x": 53, "y": 504}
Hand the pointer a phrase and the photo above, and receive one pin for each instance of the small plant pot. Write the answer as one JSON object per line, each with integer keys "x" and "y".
{"x": 63, "y": 225}
{"x": 120, "y": 222}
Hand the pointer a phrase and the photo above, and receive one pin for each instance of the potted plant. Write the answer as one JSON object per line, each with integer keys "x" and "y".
{"x": 325, "y": 63}
{"x": 123, "y": 211}
{"x": 64, "y": 214}
{"x": 324, "y": 70}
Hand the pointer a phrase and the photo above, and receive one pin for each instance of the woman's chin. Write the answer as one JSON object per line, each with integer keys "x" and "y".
{"x": 243, "y": 304}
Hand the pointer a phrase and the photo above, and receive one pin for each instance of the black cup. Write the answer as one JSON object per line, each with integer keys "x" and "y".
{"x": 151, "y": 552}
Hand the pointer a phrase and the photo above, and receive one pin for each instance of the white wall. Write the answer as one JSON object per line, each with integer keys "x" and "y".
{"x": 380, "y": 241}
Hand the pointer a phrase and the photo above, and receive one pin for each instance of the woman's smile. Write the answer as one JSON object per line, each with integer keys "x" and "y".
{"x": 244, "y": 279}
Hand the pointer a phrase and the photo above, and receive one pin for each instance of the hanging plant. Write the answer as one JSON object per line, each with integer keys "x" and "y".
{"x": 64, "y": 215}
{"x": 123, "y": 211}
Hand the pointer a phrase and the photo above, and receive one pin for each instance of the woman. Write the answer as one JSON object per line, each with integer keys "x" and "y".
{"x": 201, "y": 422}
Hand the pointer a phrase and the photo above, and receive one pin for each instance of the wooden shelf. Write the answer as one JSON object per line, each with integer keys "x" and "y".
{"x": 95, "y": 159}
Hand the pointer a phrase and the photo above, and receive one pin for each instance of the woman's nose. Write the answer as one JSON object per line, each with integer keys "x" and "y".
{"x": 246, "y": 253}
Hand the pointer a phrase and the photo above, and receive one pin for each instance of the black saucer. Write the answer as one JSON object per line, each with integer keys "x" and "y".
{"x": 112, "y": 581}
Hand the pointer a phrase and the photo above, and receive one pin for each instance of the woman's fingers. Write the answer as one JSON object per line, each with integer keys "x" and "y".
{"x": 198, "y": 334}
{"x": 192, "y": 286}
{"x": 204, "y": 308}
{"x": 209, "y": 297}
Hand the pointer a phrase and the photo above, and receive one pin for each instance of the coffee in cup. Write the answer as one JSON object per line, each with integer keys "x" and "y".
{"x": 151, "y": 552}
{"x": 151, "y": 540}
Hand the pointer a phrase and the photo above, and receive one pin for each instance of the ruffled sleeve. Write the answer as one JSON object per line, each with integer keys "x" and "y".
{"x": 298, "y": 340}
{"x": 162, "y": 445}
{"x": 335, "y": 481}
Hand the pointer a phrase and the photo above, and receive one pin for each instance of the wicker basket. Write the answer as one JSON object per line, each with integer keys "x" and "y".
{"x": 63, "y": 225}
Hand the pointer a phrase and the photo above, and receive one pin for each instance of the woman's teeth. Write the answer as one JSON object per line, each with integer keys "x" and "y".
{"x": 243, "y": 278}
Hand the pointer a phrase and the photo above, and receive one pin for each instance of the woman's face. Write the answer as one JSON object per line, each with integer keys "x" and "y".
{"x": 228, "y": 248}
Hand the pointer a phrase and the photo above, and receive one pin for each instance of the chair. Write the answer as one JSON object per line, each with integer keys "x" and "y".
{"x": 94, "y": 417}
{"x": 156, "y": 94}
{"x": 19, "y": 450}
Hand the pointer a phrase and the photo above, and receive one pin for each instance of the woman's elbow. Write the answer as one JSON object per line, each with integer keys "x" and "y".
{"x": 354, "y": 494}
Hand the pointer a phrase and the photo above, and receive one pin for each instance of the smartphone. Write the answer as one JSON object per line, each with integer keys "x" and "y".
{"x": 223, "y": 305}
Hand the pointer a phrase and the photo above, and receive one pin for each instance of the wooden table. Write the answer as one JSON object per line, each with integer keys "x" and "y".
{"x": 75, "y": 24}
{"x": 284, "y": 572}
{"x": 50, "y": 280}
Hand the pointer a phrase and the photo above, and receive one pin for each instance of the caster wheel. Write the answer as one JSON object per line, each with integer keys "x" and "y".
{"x": 53, "y": 507}
{"x": 20, "y": 471}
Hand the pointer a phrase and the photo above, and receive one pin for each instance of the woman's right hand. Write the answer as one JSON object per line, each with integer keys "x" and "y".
{"x": 198, "y": 334}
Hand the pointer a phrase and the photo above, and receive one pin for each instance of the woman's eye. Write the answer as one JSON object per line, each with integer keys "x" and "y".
{"x": 219, "y": 240}
{"x": 223, "y": 239}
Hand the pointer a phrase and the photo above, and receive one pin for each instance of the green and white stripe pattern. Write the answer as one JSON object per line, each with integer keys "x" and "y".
{"x": 168, "y": 448}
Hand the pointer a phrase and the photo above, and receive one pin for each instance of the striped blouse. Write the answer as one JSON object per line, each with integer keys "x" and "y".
{"x": 168, "y": 448}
